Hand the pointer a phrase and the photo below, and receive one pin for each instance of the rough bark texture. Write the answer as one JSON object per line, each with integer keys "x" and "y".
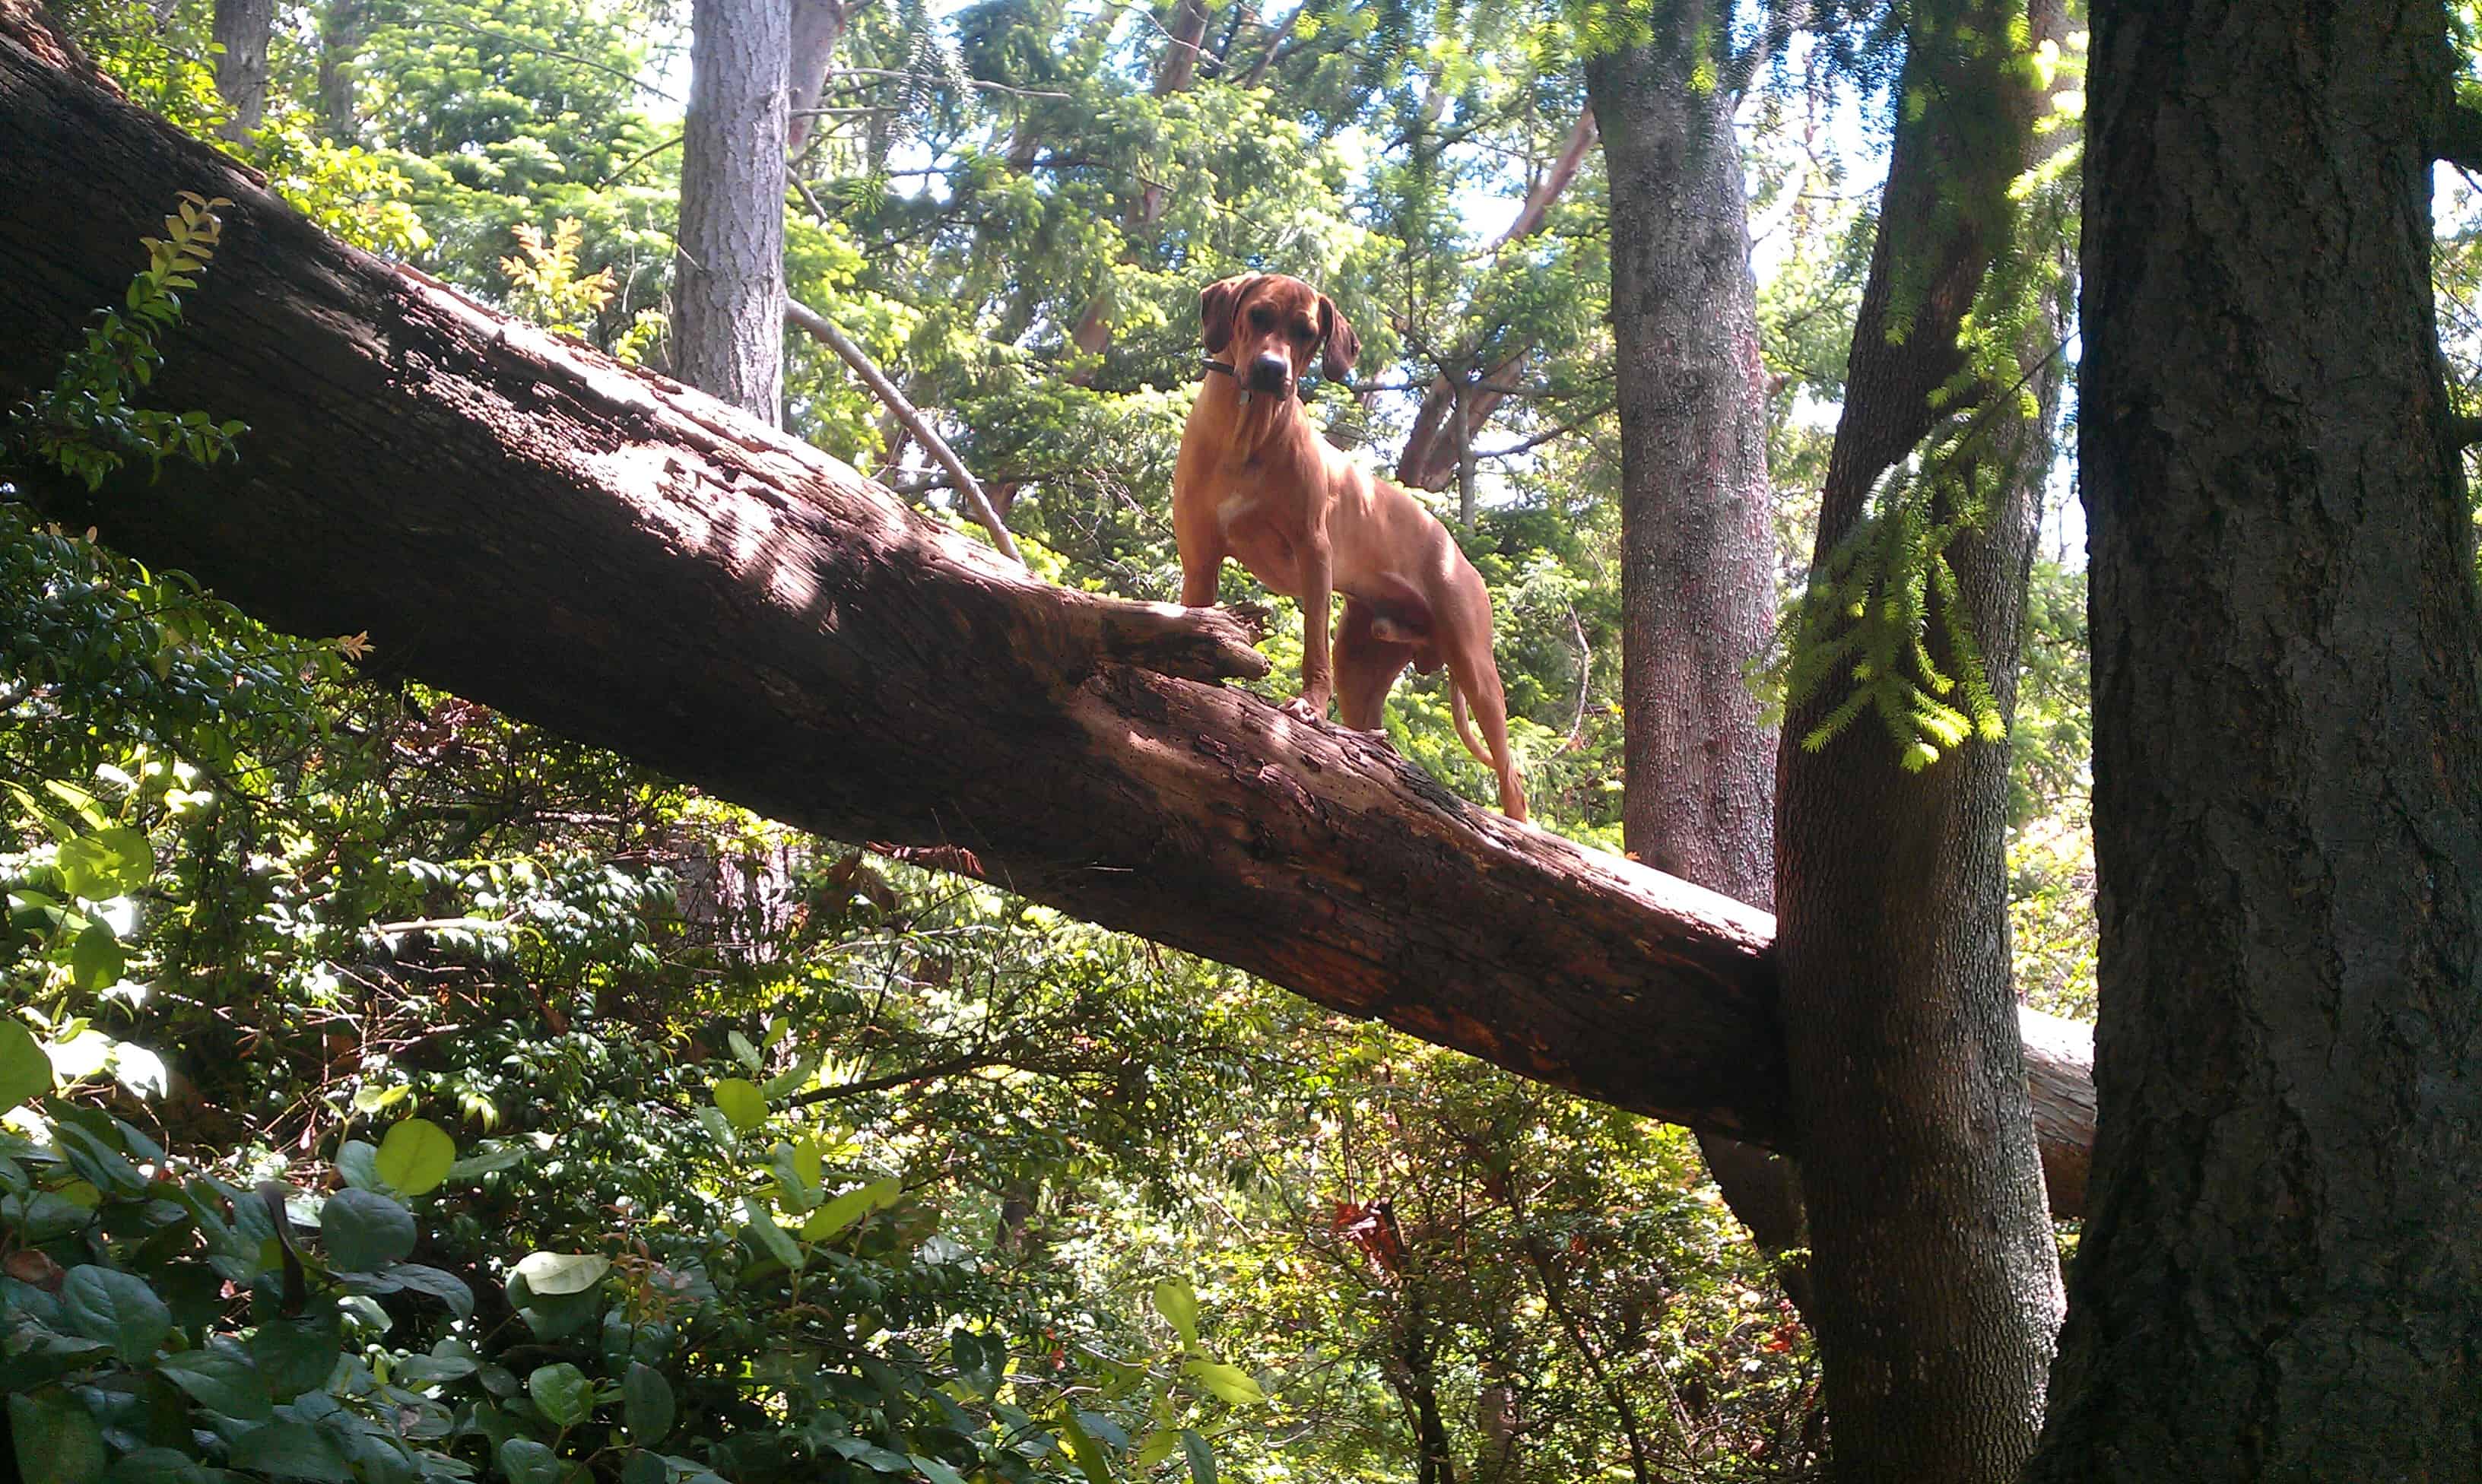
{"x": 2281, "y": 1279}
{"x": 729, "y": 289}
{"x": 1937, "y": 1287}
{"x": 621, "y": 558}
{"x": 241, "y": 29}
{"x": 1698, "y": 542}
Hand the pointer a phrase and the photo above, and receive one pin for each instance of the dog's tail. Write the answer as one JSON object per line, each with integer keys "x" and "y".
{"x": 1465, "y": 728}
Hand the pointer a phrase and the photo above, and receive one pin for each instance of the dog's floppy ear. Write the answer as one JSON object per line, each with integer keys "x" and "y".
{"x": 1216, "y": 308}
{"x": 1343, "y": 345}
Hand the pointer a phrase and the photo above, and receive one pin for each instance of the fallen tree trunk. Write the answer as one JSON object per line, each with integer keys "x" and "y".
{"x": 629, "y": 563}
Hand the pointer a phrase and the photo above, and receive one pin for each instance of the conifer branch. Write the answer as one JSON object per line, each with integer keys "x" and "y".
{"x": 2459, "y": 140}
{"x": 2462, "y": 433}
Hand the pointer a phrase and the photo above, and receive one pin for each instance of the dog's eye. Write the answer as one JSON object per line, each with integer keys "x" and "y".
{"x": 1303, "y": 334}
{"x": 1262, "y": 316}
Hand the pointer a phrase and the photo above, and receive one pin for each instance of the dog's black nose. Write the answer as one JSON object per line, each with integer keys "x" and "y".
{"x": 1269, "y": 374}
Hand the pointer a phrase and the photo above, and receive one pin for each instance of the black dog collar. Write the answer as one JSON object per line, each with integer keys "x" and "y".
{"x": 1302, "y": 386}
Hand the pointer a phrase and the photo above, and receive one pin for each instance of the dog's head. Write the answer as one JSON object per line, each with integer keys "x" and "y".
{"x": 1273, "y": 324}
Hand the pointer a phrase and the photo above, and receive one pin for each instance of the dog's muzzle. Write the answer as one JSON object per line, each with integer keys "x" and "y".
{"x": 1269, "y": 374}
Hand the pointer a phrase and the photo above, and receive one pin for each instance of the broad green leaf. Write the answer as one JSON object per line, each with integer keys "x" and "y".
{"x": 473, "y": 1165}
{"x": 1202, "y": 1458}
{"x": 1178, "y": 1302}
{"x": 297, "y": 1355}
{"x": 97, "y": 959}
{"x": 525, "y": 1461}
{"x": 644, "y": 1468}
{"x": 157, "y": 1466}
{"x": 57, "y": 1440}
{"x": 221, "y": 1379}
{"x": 1230, "y": 1382}
{"x": 445, "y": 1287}
{"x": 416, "y": 1156}
{"x": 742, "y": 1051}
{"x": 99, "y": 1162}
{"x": 25, "y": 1072}
{"x": 770, "y": 1236}
{"x": 376, "y": 1099}
{"x": 1090, "y": 1461}
{"x": 647, "y": 1403}
{"x": 357, "y": 1160}
{"x": 552, "y": 1274}
{"x": 291, "y": 1451}
{"x": 1158, "y": 1448}
{"x": 741, "y": 1102}
{"x": 108, "y": 863}
{"x": 851, "y": 1206}
{"x": 934, "y": 1470}
{"x": 562, "y": 1392}
{"x": 365, "y": 1230}
{"x": 117, "y": 1308}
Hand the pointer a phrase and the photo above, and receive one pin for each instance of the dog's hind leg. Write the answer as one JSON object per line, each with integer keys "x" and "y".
{"x": 1366, "y": 667}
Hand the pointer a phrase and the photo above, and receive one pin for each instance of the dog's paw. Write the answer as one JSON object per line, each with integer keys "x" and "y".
{"x": 1378, "y": 736}
{"x": 1300, "y": 709}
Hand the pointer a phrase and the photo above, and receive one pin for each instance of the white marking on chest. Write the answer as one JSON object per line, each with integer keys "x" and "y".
{"x": 1233, "y": 508}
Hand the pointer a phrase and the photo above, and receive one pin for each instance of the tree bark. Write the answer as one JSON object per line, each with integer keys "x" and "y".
{"x": 729, "y": 287}
{"x": 816, "y": 27}
{"x": 2280, "y": 1277}
{"x": 343, "y": 26}
{"x": 602, "y": 551}
{"x": 1434, "y": 450}
{"x": 1936, "y": 1282}
{"x": 1698, "y": 569}
{"x": 242, "y": 28}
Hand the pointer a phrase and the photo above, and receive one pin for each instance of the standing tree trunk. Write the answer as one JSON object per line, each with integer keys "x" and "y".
{"x": 1935, "y": 1282}
{"x": 1697, "y": 544}
{"x": 729, "y": 295}
{"x": 242, "y": 28}
{"x": 817, "y": 26}
{"x": 343, "y": 27}
{"x": 2281, "y": 1278}
{"x": 1435, "y": 449}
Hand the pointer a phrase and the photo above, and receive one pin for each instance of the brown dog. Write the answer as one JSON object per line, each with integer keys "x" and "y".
{"x": 1257, "y": 482}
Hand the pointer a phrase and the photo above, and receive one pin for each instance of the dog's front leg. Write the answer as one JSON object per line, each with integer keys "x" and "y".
{"x": 1318, "y": 595}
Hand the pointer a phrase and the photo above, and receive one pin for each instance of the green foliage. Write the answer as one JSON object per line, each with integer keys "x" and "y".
{"x": 84, "y": 426}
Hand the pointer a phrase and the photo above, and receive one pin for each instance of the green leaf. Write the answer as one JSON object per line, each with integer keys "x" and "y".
{"x": 851, "y": 1206}
{"x": 117, "y": 1308}
{"x": 485, "y": 1163}
{"x": 375, "y": 1098}
{"x": 25, "y": 1072}
{"x": 742, "y": 1051}
{"x": 770, "y": 1236}
{"x": 644, "y": 1468}
{"x": 525, "y": 1461}
{"x": 220, "y": 1379}
{"x": 562, "y": 1392}
{"x": 1090, "y": 1461}
{"x": 57, "y": 1440}
{"x": 1202, "y": 1458}
{"x": 297, "y": 1355}
{"x": 647, "y": 1403}
{"x": 1178, "y": 1302}
{"x": 157, "y": 1466}
{"x": 934, "y": 1470}
{"x": 365, "y": 1230}
{"x": 553, "y": 1274}
{"x": 357, "y": 1160}
{"x": 106, "y": 1167}
{"x": 108, "y": 863}
{"x": 1230, "y": 1382}
{"x": 416, "y": 1156}
{"x": 291, "y": 1451}
{"x": 1156, "y": 1449}
{"x": 445, "y": 1287}
{"x": 741, "y": 1102}
{"x": 97, "y": 959}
